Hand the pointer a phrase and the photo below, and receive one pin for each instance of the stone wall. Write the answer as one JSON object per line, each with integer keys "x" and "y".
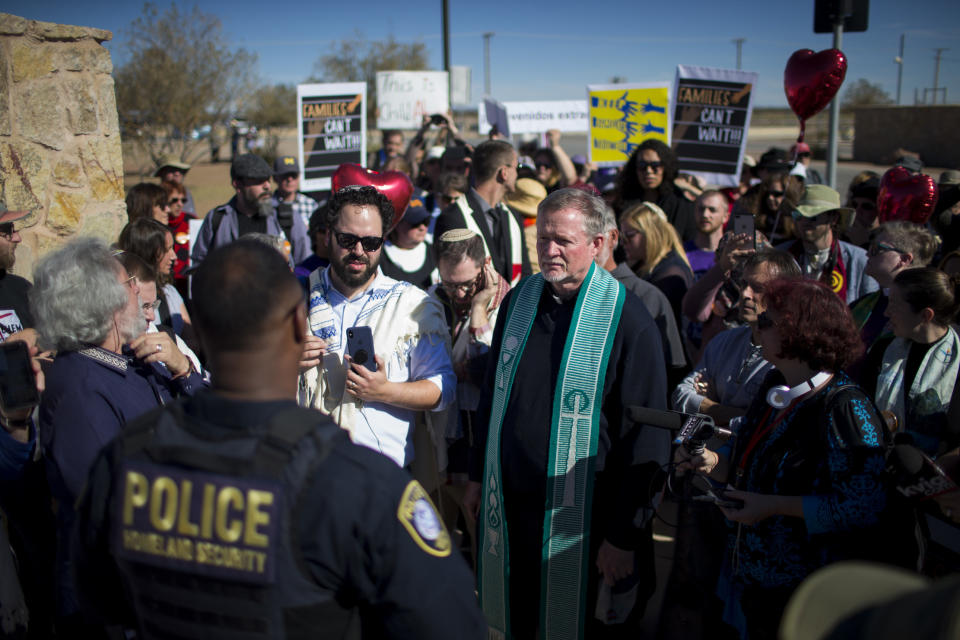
{"x": 933, "y": 132}
{"x": 60, "y": 152}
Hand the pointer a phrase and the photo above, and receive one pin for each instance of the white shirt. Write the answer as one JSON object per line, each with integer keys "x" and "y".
{"x": 382, "y": 427}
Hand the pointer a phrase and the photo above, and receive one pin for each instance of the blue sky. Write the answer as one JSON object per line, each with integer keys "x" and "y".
{"x": 551, "y": 50}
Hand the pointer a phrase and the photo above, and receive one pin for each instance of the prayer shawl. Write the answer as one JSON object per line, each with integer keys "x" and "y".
{"x": 573, "y": 447}
{"x": 516, "y": 236}
{"x": 400, "y": 316}
{"x": 932, "y": 386}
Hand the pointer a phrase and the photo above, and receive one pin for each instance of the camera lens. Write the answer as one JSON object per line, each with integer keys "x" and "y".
{"x": 360, "y": 357}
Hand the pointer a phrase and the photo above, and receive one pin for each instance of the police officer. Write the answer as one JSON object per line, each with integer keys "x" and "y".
{"x": 238, "y": 514}
{"x": 251, "y": 210}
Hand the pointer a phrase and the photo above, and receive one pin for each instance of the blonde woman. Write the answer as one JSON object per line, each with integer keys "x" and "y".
{"x": 654, "y": 252}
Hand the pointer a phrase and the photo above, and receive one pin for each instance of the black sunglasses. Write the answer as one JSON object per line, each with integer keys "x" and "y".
{"x": 764, "y": 322}
{"x": 6, "y": 229}
{"x": 643, "y": 164}
{"x": 349, "y": 241}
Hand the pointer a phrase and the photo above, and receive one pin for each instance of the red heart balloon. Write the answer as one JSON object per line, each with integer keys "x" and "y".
{"x": 812, "y": 79}
{"x": 906, "y": 196}
{"x": 393, "y": 184}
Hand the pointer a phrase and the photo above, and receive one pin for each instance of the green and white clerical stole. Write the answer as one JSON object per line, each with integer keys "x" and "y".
{"x": 570, "y": 468}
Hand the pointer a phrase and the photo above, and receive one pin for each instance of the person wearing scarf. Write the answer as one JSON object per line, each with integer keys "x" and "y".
{"x": 559, "y": 475}
{"x": 820, "y": 252}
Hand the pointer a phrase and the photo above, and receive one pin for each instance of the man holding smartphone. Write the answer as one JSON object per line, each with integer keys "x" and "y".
{"x": 413, "y": 374}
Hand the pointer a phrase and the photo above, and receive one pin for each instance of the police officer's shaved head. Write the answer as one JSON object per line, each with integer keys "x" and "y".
{"x": 239, "y": 292}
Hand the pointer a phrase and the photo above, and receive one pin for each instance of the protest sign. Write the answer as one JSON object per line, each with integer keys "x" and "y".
{"x": 711, "y": 118}
{"x": 568, "y": 116}
{"x": 331, "y": 120}
{"x": 495, "y": 114}
{"x": 621, "y": 116}
{"x": 404, "y": 97}
{"x": 460, "y": 85}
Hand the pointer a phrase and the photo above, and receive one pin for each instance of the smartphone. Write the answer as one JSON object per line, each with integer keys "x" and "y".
{"x": 360, "y": 347}
{"x": 719, "y": 498}
{"x": 743, "y": 223}
{"x": 18, "y": 384}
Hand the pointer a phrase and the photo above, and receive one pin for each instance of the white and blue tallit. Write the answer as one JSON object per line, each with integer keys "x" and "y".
{"x": 570, "y": 469}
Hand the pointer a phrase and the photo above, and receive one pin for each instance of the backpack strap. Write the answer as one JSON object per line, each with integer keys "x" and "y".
{"x": 218, "y": 214}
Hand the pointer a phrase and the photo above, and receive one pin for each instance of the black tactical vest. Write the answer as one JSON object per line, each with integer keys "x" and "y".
{"x": 204, "y": 534}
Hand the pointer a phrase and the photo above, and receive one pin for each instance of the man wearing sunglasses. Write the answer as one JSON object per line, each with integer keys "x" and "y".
{"x": 409, "y": 372}
{"x": 251, "y": 210}
{"x": 14, "y": 309}
{"x": 483, "y": 211}
{"x": 820, "y": 252}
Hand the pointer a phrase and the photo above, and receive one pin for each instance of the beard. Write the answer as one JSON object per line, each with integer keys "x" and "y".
{"x": 132, "y": 325}
{"x": 7, "y": 257}
{"x": 351, "y": 279}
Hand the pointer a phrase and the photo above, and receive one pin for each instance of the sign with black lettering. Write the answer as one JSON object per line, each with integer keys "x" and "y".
{"x": 711, "y": 117}
{"x": 198, "y": 522}
{"x": 332, "y": 126}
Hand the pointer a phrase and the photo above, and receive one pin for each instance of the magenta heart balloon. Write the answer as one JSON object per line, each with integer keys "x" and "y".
{"x": 811, "y": 80}
{"x": 906, "y": 196}
{"x": 393, "y": 184}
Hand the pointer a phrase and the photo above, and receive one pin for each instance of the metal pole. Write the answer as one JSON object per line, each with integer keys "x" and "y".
{"x": 739, "y": 42}
{"x": 936, "y": 74}
{"x": 834, "y": 112}
{"x": 446, "y": 47}
{"x": 899, "y": 62}
{"x": 486, "y": 62}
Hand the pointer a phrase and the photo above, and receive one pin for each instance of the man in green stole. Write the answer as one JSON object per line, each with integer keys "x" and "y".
{"x": 561, "y": 476}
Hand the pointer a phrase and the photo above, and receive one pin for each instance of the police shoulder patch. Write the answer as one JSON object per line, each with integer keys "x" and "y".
{"x": 420, "y": 518}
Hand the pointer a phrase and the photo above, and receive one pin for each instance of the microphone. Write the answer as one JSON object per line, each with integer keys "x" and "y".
{"x": 695, "y": 428}
{"x": 915, "y": 475}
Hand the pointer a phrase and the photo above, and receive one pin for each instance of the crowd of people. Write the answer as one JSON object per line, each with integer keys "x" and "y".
{"x": 330, "y": 416}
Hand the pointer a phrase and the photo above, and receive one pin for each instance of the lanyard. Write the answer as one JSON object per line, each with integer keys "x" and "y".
{"x": 761, "y": 433}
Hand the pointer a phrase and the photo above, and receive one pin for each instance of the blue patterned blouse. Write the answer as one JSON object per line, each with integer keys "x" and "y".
{"x": 833, "y": 457}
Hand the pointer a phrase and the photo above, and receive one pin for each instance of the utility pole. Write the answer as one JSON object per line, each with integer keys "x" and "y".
{"x": 899, "y": 61}
{"x": 739, "y": 42}
{"x": 446, "y": 46}
{"x": 834, "y": 109}
{"x": 486, "y": 62}
{"x": 936, "y": 74}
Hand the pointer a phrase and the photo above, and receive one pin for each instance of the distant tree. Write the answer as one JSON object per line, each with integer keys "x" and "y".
{"x": 272, "y": 106}
{"x": 268, "y": 108}
{"x": 864, "y": 93}
{"x": 182, "y": 77}
{"x": 358, "y": 60}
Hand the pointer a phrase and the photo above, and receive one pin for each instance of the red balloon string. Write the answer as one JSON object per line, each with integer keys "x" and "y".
{"x": 803, "y": 129}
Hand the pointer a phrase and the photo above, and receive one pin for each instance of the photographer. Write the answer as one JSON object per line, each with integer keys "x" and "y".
{"x": 807, "y": 461}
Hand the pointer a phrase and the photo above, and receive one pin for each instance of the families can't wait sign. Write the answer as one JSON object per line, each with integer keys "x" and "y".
{"x": 712, "y": 109}
{"x": 331, "y": 119}
{"x": 621, "y": 116}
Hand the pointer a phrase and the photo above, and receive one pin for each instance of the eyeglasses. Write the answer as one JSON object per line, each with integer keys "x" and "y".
{"x": 130, "y": 282}
{"x": 177, "y": 200}
{"x": 775, "y": 194}
{"x": 643, "y": 165}
{"x": 814, "y": 220}
{"x": 541, "y": 165}
{"x": 465, "y": 287}
{"x": 7, "y": 230}
{"x": 764, "y": 322}
{"x": 151, "y": 306}
{"x": 882, "y": 247}
{"x": 349, "y": 241}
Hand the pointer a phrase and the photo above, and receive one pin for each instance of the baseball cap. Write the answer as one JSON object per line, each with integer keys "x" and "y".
{"x": 249, "y": 166}
{"x": 10, "y": 216}
{"x": 800, "y": 147}
{"x": 775, "y": 159}
{"x": 416, "y": 213}
{"x": 286, "y": 164}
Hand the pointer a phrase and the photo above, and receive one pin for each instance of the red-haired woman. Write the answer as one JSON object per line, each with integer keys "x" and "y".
{"x": 807, "y": 461}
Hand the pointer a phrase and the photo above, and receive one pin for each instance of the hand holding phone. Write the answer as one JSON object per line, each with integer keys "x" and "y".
{"x": 19, "y": 391}
{"x": 360, "y": 347}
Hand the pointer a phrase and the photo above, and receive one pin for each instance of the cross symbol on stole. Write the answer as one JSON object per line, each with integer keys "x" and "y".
{"x": 575, "y": 406}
